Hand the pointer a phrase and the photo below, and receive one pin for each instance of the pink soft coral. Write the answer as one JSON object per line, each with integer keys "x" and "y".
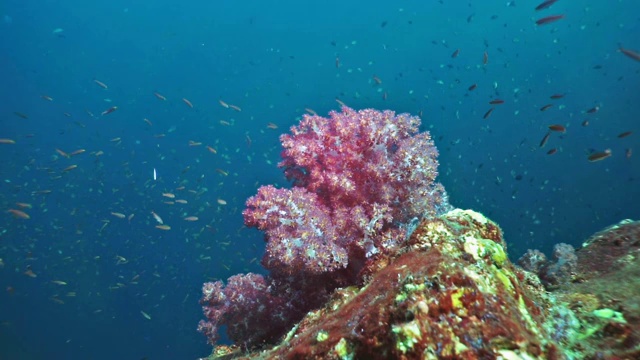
{"x": 359, "y": 177}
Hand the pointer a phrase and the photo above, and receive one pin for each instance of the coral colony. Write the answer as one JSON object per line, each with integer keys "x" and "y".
{"x": 361, "y": 182}
{"x": 367, "y": 260}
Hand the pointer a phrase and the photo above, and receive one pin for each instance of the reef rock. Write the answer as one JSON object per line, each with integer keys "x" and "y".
{"x": 451, "y": 293}
{"x": 604, "y": 295}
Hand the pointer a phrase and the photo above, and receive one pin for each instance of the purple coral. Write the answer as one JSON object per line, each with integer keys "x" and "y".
{"x": 230, "y": 305}
{"x": 359, "y": 177}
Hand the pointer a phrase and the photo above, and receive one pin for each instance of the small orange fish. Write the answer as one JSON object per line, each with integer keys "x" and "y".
{"x": 597, "y": 156}
{"x": 23, "y": 205}
{"x": 212, "y": 150}
{"x": 19, "y": 214}
{"x": 222, "y": 201}
{"x": 377, "y": 80}
{"x": 78, "y": 152}
{"x": 552, "y": 151}
{"x": 222, "y": 172}
{"x": 191, "y": 218}
{"x": 186, "y": 101}
{"x": 488, "y": 113}
{"x": 546, "y": 4}
{"x": 545, "y": 139}
{"x": 169, "y": 195}
{"x": 69, "y": 168}
{"x": 236, "y": 108}
{"x": 159, "y": 96}
{"x": 546, "y": 107}
{"x": 625, "y": 134}
{"x": 549, "y": 19}
{"x": 118, "y": 215}
{"x": 630, "y": 53}
{"x": 340, "y": 102}
{"x": 337, "y": 62}
{"x": 7, "y": 141}
{"x": 148, "y": 121}
{"x": 163, "y": 227}
{"x": 312, "y": 112}
{"x": 194, "y": 143}
{"x": 181, "y": 201}
{"x": 47, "y": 97}
{"x": 485, "y": 58}
{"x": 224, "y": 104}
{"x": 558, "y": 128}
{"x": 272, "y": 126}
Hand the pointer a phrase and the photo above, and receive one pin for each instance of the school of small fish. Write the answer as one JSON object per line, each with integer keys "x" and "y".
{"x": 189, "y": 198}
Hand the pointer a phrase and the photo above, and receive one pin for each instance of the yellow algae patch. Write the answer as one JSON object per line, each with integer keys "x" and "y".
{"x": 342, "y": 349}
{"x": 407, "y": 335}
{"x": 322, "y": 336}
{"x": 479, "y": 248}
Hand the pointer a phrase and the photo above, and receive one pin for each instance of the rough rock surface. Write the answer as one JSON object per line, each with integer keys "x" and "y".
{"x": 452, "y": 293}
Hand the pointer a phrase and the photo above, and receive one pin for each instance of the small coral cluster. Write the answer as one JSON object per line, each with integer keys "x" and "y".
{"x": 359, "y": 177}
{"x": 553, "y": 272}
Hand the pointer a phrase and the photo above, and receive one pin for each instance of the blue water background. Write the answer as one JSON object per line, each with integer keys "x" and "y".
{"x": 274, "y": 59}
